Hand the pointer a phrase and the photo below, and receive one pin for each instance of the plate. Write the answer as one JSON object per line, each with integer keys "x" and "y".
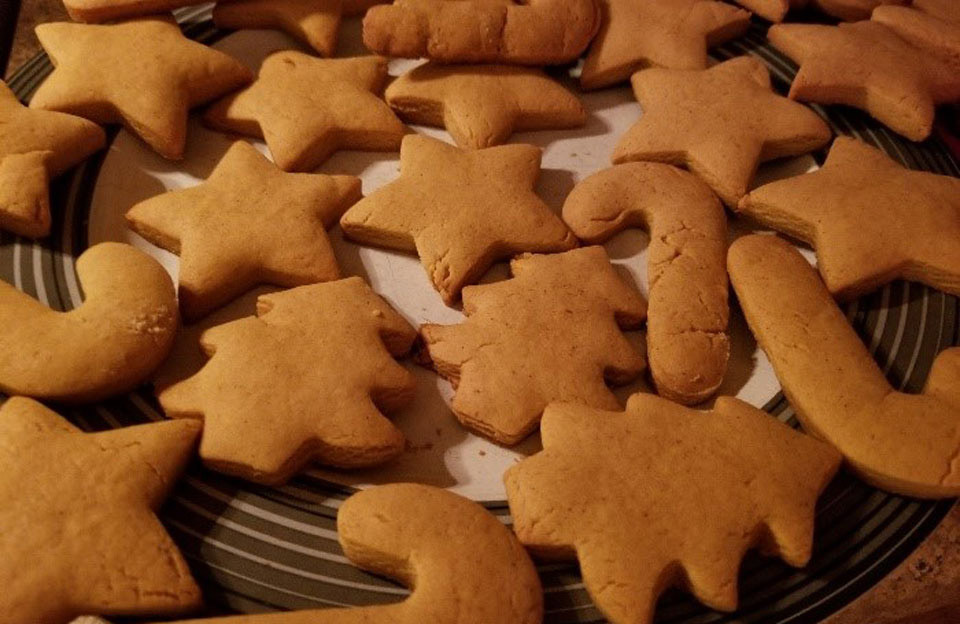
{"x": 257, "y": 549}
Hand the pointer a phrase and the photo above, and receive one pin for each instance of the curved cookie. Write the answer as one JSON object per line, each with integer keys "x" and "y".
{"x": 908, "y": 444}
{"x": 538, "y": 32}
{"x": 687, "y": 344}
{"x": 661, "y": 495}
{"x": 109, "y": 344}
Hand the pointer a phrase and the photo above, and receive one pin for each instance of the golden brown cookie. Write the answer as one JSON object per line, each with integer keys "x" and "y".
{"x": 687, "y": 344}
{"x": 305, "y": 380}
{"x": 110, "y": 10}
{"x": 34, "y": 147}
{"x": 79, "y": 531}
{"x": 652, "y": 33}
{"x": 947, "y": 10}
{"x": 907, "y": 444}
{"x": 314, "y": 22}
{"x": 850, "y": 10}
{"x": 773, "y": 10}
{"x": 249, "y": 223}
{"x": 460, "y": 210}
{"x": 870, "y": 220}
{"x": 934, "y": 35}
{"x": 306, "y": 108}
{"x": 143, "y": 74}
{"x": 482, "y": 105}
{"x": 661, "y": 495}
{"x": 720, "y": 123}
{"x": 107, "y": 345}
{"x": 552, "y": 333}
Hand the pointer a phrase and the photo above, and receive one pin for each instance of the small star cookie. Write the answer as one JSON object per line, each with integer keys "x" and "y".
{"x": 314, "y": 22}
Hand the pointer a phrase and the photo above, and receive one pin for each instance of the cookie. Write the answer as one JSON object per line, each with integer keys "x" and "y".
{"x": 211, "y": 227}
{"x": 328, "y": 350}
{"x": 143, "y": 74}
{"x": 687, "y": 344}
{"x": 652, "y": 33}
{"x": 34, "y": 147}
{"x": 947, "y": 10}
{"x": 307, "y": 108}
{"x": 934, "y": 35}
{"x": 111, "y": 10}
{"x": 870, "y": 220}
{"x": 851, "y": 10}
{"x": 867, "y": 66}
{"x": 772, "y": 10}
{"x": 314, "y": 22}
{"x": 79, "y": 531}
{"x": 720, "y": 123}
{"x": 460, "y": 210}
{"x": 538, "y": 32}
{"x": 664, "y": 496}
{"x": 907, "y": 444}
{"x": 482, "y": 105}
{"x": 107, "y": 345}
{"x": 552, "y": 333}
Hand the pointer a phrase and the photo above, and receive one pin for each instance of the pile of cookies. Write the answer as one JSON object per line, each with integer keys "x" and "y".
{"x": 312, "y": 376}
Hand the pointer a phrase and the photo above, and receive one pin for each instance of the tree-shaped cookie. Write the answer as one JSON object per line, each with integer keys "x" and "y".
{"x": 552, "y": 333}
{"x": 305, "y": 380}
{"x": 661, "y": 495}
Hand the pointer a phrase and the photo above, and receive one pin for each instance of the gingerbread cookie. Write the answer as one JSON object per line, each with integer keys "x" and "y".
{"x": 773, "y": 10}
{"x": 687, "y": 344}
{"x": 459, "y": 210}
{"x": 720, "y": 122}
{"x": 79, "y": 531}
{"x": 107, "y": 345}
{"x": 851, "y": 10}
{"x": 934, "y": 35}
{"x": 908, "y": 444}
{"x": 211, "y": 225}
{"x": 111, "y": 10}
{"x": 143, "y": 73}
{"x": 661, "y": 495}
{"x": 552, "y": 333}
{"x": 482, "y": 105}
{"x": 848, "y": 211}
{"x": 328, "y": 349}
{"x": 34, "y": 147}
{"x": 314, "y": 22}
{"x": 946, "y": 10}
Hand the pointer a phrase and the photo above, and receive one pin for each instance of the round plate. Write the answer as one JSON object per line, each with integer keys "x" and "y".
{"x": 258, "y": 549}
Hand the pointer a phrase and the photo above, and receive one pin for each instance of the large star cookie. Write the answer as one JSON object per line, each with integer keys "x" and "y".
{"x": 482, "y": 105}
{"x": 144, "y": 74}
{"x": 314, "y": 22}
{"x": 79, "y": 531}
{"x": 643, "y": 33}
{"x": 720, "y": 122}
{"x": 460, "y": 210}
{"x": 870, "y": 220}
{"x": 306, "y": 108}
{"x": 248, "y": 224}
{"x": 935, "y": 33}
{"x": 34, "y": 147}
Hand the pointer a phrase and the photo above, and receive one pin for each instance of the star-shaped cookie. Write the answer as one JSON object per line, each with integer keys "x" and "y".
{"x": 460, "y": 210}
{"x": 773, "y": 10}
{"x": 248, "y": 224}
{"x": 79, "y": 531}
{"x": 482, "y": 105}
{"x": 867, "y": 66}
{"x": 306, "y": 108}
{"x": 314, "y": 22}
{"x": 111, "y": 10}
{"x": 934, "y": 34}
{"x": 643, "y": 33}
{"x": 143, "y": 73}
{"x": 34, "y": 147}
{"x": 720, "y": 122}
{"x": 870, "y": 220}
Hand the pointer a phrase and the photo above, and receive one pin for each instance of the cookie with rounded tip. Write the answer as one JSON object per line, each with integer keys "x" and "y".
{"x": 86, "y": 539}
{"x": 687, "y": 343}
{"x": 459, "y": 210}
{"x": 307, "y": 108}
{"x": 107, "y": 345}
{"x": 482, "y": 105}
{"x": 851, "y": 10}
{"x": 720, "y": 123}
{"x": 314, "y": 22}
{"x": 902, "y": 443}
{"x": 934, "y": 35}
{"x": 660, "y": 496}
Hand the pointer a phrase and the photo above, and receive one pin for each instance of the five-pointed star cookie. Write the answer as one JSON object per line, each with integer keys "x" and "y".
{"x": 314, "y": 22}
{"x": 870, "y": 220}
{"x": 307, "y": 108}
{"x": 248, "y": 224}
{"x": 460, "y": 210}
{"x": 720, "y": 123}
{"x": 79, "y": 531}
{"x": 482, "y": 105}
{"x": 935, "y": 35}
{"x": 36, "y": 146}
{"x": 642, "y": 33}
{"x": 143, "y": 73}
{"x": 867, "y": 66}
